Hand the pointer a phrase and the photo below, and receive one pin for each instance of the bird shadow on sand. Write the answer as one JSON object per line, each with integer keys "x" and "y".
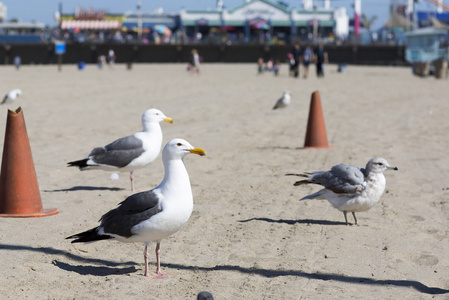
{"x": 317, "y": 276}
{"x": 96, "y": 267}
{"x": 86, "y": 188}
{"x": 292, "y": 222}
{"x": 101, "y": 267}
{"x": 94, "y": 270}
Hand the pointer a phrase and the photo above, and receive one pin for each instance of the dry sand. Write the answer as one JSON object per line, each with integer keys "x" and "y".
{"x": 249, "y": 236}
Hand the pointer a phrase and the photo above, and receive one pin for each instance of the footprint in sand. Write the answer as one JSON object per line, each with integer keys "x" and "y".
{"x": 426, "y": 260}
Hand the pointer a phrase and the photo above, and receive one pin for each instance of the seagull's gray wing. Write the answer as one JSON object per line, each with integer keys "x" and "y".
{"x": 118, "y": 153}
{"x": 340, "y": 179}
{"x": 279, "y": 103}
{"x": 133, "y": 210}
{"x": 5, "y": 99}
{"x": 127, "y": 143}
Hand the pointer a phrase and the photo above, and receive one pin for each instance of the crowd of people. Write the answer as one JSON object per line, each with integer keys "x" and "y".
{"x": 213, "y": 36}
{"x": 270, "y": 66}
{"x": 296, "y": 58}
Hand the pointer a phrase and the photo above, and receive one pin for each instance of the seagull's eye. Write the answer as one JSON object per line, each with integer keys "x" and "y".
{"x": 178, "y": 144}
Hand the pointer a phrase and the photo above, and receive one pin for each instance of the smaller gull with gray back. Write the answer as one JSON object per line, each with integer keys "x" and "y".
{"x": 349, "y": 188}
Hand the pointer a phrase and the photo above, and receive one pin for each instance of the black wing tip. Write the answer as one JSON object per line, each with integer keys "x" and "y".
{"x": 301, "y": 182}
{"x": 78, "y": 238}
{"x": 82, "y": 163}
{"x": 297, "y": 174}
{"x": 87, "y": 239}
{"x": 90, "y": 235}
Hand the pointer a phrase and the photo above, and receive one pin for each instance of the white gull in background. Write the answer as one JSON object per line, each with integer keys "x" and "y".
{"x": 12, "y": 95}
{"x": 283, "y": 101}
{"x": 152, "y": 215}
{"x": 128, "y": 153}
{"x": 350, "y": 188}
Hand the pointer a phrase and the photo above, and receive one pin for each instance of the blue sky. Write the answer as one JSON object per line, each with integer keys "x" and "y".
{"x": 43, "y": 11}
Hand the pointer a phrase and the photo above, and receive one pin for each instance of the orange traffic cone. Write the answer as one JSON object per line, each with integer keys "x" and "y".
{"x": 19, "y": 191}
{"x": 316, "y": 136}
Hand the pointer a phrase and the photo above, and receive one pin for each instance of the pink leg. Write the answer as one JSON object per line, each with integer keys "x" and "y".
{"x": 158, "y": 260}
{"x": 158, "y": 269}
{"x": 131, "y": 177}
{"x": 145, "y": 256}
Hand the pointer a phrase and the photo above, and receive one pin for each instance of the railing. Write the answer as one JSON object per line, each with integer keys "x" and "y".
{"x": 21, "y": 39}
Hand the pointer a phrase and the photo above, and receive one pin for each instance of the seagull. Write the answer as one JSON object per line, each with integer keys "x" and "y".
{"x": 152, "y": 215}
{"x": 11, "y": 95}
{"x": 350, "y": 188}
{"x": 283, "y": 101}
{"x": 128, "y": 153}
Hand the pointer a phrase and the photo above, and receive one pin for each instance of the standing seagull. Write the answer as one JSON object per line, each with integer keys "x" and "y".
{"x": 11, "y": 95}
{"x": 350, "y": 188}
{"x": 128, "y": 153}
{"x": 152, "y": 215}
{"x": 283, "y": 101}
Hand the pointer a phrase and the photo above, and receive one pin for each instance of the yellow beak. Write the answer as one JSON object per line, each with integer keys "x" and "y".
{"x": 169, "y": 120}
{"x": 198, "y": 151}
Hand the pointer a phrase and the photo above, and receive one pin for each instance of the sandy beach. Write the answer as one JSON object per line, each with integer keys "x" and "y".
{"x": 249, "y": 236}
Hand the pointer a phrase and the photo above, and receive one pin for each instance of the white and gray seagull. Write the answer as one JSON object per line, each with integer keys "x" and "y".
{"x": 350, "y": 188}
{"x": 152, "y": 215}
{"x": 283, "y": 101}
{"x": 12, "y": 95}
{"x": 129, "y": 153}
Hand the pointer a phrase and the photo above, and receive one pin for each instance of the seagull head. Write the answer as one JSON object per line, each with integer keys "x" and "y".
{"x": 378, "y": 165}
{"x": 286, "y": 92}
{"x": 179, "y": 148}
{"x": 18, "y": 92}
{"x": 154, "y": 116}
